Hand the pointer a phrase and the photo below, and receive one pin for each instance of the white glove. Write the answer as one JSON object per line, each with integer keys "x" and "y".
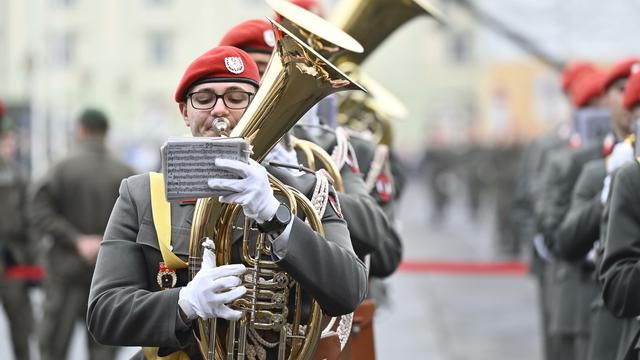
{"x": 606, "y": 187}
{"x": 622, "y": 153}
{"x": 205, "y": 296}
{"x": 252, "y": 191}
{"x": 542, "y": 249}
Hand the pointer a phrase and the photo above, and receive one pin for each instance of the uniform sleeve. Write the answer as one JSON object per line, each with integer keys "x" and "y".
{"x": 581, "y": 227}
{"x": 44, "y": 212}
{"x": 620, "y": 270}
{"x": 121, "y": 310}
{"x": 399, "y": 172}
{"x": 370, "y": 229}
{"x": 554, "y": 196}
{"x": 327, "y": 268}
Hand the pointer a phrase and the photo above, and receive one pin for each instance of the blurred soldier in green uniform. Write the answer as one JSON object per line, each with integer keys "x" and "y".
{"x": 14, "y": 246}
{"x": 528, "y": 187}
{"x": 72, "y": 204}
{"x": 582, "y": 232}
{"x": 619, "y": 230}
{"x": 571, "y": 290}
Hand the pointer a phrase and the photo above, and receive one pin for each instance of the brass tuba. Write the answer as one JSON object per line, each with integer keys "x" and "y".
{"x": 371, "y": 115}
{"x": 371, "y": 21}
{"x": 297, "y": 77}
{"x": 313, "y": 152}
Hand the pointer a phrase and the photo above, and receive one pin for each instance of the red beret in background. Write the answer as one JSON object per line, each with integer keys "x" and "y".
{"x": 572, "y": 71}
{"x": 586, "y": 87}
{"x": 2, "y": 109}
{"x": 220, "y": 64}
{"x": 251, "y": 36}
{"x": 620, "y": 69}
{"x": 632, "y": 91}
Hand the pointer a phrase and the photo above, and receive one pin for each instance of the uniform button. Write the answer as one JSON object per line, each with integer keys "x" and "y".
{"x": 171, "y": 247}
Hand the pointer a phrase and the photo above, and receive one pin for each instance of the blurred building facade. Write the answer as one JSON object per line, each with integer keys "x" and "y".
{"x": 126, "y": 56}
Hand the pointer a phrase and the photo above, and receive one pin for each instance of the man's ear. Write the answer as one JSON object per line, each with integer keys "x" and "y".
{"x": 183, "y": 112}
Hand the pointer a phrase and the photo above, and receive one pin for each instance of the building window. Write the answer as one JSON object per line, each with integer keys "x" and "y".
{"x": 460, "y": 47}
{"x": 159, "y": 47}
{"x": 63, "y": 48}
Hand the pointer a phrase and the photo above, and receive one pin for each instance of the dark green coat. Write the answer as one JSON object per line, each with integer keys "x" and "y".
{"x": 580, "y": 228}
{"x": 126, "y": 306}
{"x": 620, "y": 269}
{"x": 372, "y": 231}
{"x": 14, "y": 239}
{"x": 75, "y": 197}
{"x": 528, "y": 183}
{"x": 564, "y": 279}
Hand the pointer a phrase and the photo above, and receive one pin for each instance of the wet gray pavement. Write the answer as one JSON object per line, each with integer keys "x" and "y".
{"x": 434, "y": 316}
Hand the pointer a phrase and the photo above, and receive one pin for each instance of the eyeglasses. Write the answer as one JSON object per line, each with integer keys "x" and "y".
{"x": 234, "y": 100}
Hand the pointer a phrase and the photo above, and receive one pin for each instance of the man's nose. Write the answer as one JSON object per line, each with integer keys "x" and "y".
{"x": 219, "y": 109}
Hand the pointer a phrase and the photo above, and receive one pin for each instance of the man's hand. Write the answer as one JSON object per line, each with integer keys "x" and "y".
{"x": 88, "y": 246}
{"x": 252, "y": 191}
{"x": 207, "y": 294}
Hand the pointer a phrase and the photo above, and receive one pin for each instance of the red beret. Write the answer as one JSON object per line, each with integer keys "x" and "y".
{"x": 621, "y": 69}
{"x": 572, "y": 71}
{"x": 632, "y": 91}
{"x": 586, "y": 87}
{"x": 220, "y": 64}
{"x": 2, "y": 110}
{"x": 251, "y": 36}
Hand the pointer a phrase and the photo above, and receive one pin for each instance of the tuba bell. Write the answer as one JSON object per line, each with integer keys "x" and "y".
{"x": 371, "y": 115}
{"x": 371, "y": 21}
{"x": 373, "y": 112}
{"x": 296, "y": 78}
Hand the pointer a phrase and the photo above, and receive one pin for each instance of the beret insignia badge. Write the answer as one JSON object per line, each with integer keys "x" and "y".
{"x": 234, "y": 64}
{"x": 269, "y": 38}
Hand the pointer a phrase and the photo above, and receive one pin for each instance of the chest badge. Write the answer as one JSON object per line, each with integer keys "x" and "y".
{"x": 167, "y": 277}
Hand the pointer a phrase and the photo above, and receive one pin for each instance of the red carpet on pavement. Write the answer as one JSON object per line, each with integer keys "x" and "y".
{"x": 464, "y": 267}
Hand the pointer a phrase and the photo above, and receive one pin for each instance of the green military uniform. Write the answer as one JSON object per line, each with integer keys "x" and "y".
{"x": 563, "y": 278}
{"x": 527, "y": 185}
{"x": 126, "y": 306}
{"x": 14, "y": 251}
{"x": 619, "y": 269}
{"x": 74, "y": 198}
{"x": 575, "y": 238}
{"x": 580, "y": 228}
{"x": 372, "y": 232}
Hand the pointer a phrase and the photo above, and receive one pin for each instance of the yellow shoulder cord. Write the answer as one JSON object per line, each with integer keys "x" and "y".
{"x": 151, "y": 353}
{"x": 161, "y": 210}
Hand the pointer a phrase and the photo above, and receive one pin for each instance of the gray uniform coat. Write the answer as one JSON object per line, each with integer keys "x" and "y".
{"x": 372, "y": 231}
{"x": 75, "y": 197}
{"x": 126, "y": 306}
{"x": 15, "y": 250}
{"x": 620, "y": 269}
{"x": 564, "y": 278}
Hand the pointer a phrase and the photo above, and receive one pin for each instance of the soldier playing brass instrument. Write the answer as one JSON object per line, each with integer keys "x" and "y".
{"x": 126, "y": 305}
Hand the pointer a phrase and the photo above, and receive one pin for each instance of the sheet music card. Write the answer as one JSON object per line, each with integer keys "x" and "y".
{"x": 189, "y": 162}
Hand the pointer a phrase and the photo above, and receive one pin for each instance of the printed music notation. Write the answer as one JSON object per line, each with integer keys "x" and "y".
{"x": 188, "y": 163}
